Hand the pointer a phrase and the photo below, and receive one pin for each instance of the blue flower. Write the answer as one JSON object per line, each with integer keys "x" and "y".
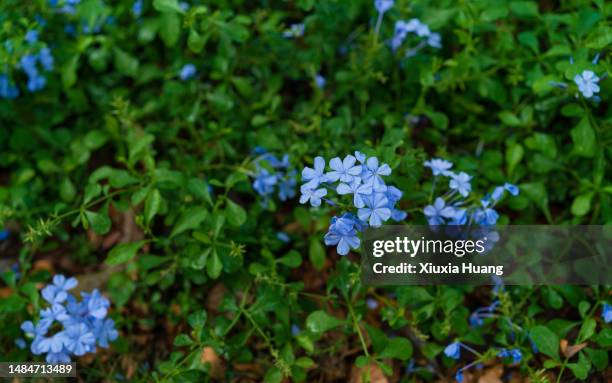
{"x": 315, "y": 176}
{"x": 188, "y": 71}
{"x": 264, "y": 182}
{"x": 4, "y": 234}
{"x": 46, "y": 59}
{"x": 358, "y": 190}
{"x": 514, "y": 353}
{"x": 283, "y": 237}
{"x": 10, "y": 92}
{"x": 312, "y": 195}
{"x": 342, "y": 232}
{"x": 36, "y": 83}
{"x": 360, "y": 157}
{"x": 137, "y": 8}
{"x": 434, "y": 40}
{"x": 344, "y": 170}
{"x": 383, "y": 6}
{"x": 372, "y": 303}
{"x": 58, "y": 291}
{"x": 511, "y": 188}
{"x": 79, "y": 339}
{"x": 97, "y": 304}
{"x": 606, "y": 313}
{"x": 459, "y": 376}
{"x": 461, "y": 183}
{"x": 437, "y": 212}
{"x": 320, "y": 81}
{"x": 453, "y": 350}
{"x": 485, "y": 216}
{"x": 104, "y": 331}
{"x": 439, "y": 166}
{"x": 28, "y": 65}
{"x": 295, "y": 30}
{"x": 31, "y": 36}
{"x": 295, "y": 330}
{"x": 587, "y": 83}
{"x": 373, "y": 173}
{"x": 286, "y": 187}
{"x": 376, "y": 210}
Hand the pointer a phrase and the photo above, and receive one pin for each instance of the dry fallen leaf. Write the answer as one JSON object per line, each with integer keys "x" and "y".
{"x": 371, "y": 373}
{"x": 492, "y": 375}
{"x": 217, "y": 366}
{"x": 570, "y": 351}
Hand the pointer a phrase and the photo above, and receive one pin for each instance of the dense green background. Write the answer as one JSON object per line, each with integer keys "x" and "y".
{"x": 117, "y": 149}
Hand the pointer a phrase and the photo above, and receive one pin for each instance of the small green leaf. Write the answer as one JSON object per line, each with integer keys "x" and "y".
{"x": 587, "y": 330}
{"x": 190, "y": 219}
{"x": 514, "y": 155}
{"x": 152, "y": 205}
{"x": 67, "y": 190}
{"x": 167, "y": 6}
{"x": 100, "y": 222}
{"x": 320, "y": 322}
{"x": 581, "y": 368}
{"x": 398, "y": 348}
{"x": 582, "y": 204}
{"x": 316, "y": 253}
{"x": 584, "y": 138}
{"x": 292, "y": 259}
{"x": 182, "y": 340}
{"x": 546, "y": 341}
{"x": 123, "y": 253}
{"x": 214, "y": 265}
{"x": 236, "y": 216}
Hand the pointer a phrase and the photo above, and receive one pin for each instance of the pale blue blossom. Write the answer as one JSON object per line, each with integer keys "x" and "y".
{"x": 461, "y": 183}
{"x": 312, "y": 195}
{"x": 587, "y": 83}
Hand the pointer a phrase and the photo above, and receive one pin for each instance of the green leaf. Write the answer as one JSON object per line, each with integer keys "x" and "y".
{"x": 546, "y": 341}
{"x": 292, "y": 259}
{"x": 584, "y": 138}
{"x": 509, "y": 119}
{"x": 316, "y": 253}
{"x": 182, "y": 340}
{"x": 582, "y": 204}
{"x": 195, "y": 41}
{"x": 587, "y": 330}
{"x": 123, "y": 253}
{"x": 125, "y": 63}
{"x": 152, "y": 205}
{"x": 524, "y": 8}
{"x": 536, "y": 192}
{"x": 190, "y": 219}
{"x": 67, "y": 190}
{"x": 214, "y": 265}
{"x": 582, "y": 368}
{"x": 320, "y": 322}
{"x": 397, "y": 348}
{"x": 69, "y": 71}
{"x": 236, "y": 216}
{"x": 514, "y": 155}
{"x": 99, "y": 221}
{"x": 170, "y": 29}
{"x": 167, "y": 6}
{"x": 599, "y": 358}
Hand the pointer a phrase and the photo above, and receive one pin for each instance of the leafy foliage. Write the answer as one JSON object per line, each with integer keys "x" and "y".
{"x": 131, "y": 141}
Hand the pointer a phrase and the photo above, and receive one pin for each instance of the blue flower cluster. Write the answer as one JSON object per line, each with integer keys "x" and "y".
{"x": 451, "y": 207}
{"x": 273, "y": 175}
{"x": 360, "y": 177}
{"x": 453, "y": 351}
{"x": 403, "y": 29}
{"x": 29, "y": 65}
{"x": 81, "y": 326}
